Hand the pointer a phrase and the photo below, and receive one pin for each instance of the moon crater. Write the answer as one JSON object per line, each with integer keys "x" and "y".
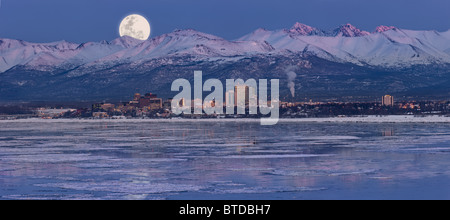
{"x": 135, "y": 26}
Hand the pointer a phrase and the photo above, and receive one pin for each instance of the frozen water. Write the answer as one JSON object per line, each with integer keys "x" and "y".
{"x": 185, "y": 159}
{"x": 273, "y": 156}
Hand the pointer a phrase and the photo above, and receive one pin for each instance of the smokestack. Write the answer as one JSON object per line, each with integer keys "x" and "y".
{"x": 291, "y": 75}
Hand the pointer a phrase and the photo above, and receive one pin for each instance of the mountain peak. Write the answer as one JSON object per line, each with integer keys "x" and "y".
{"x": 192, "y": 33}
{"x": 126, "y": 41}
{"x": 6, "y": 44}
{"x": 261, "y": 30}
{"x": 348, "y": 30}
{"x": 382, "y": 28}
{"x": 304, "y": 30}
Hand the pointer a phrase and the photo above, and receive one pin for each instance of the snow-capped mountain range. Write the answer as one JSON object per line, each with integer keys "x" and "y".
{"x": 124, "y": 49}
{"x": 342, "y": 62}
{"x": 386, "y": 46}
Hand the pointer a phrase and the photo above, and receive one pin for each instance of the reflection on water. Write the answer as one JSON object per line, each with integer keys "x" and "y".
{"x": 161, "y": 160}
{"x": 388, "y": 132}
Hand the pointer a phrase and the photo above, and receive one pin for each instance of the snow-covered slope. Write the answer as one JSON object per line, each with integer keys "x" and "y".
{"x": 385, "y": 47}
{"x": 348, "y": 30}
{"x": 189, "y": 42}
{"x": 124, "y": 49}
{"x": 16, "y": 52}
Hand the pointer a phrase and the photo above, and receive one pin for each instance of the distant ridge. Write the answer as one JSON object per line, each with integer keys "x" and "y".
{"x": 342, "y": 62}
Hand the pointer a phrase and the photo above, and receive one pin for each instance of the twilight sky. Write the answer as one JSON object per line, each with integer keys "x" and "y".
{"x": 95, "y": 20}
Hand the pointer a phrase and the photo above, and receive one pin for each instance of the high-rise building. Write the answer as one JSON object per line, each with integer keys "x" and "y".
{"x": 182, "y": 102}
{"x": 137, "y": 96}
{"x": 151, "y": 101}
{"x": 241, "y": 95}
{"x": 167, "y": 104}
{"x": 229, "y": 98}
{"x": 387, "y": 100}
{"x": 155, "y": 103}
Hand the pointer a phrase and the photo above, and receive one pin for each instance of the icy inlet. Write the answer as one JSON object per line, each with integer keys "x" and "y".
{"x": 75, "y": 159}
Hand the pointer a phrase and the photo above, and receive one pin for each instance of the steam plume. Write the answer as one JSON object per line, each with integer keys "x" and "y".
{"x": 291, "y": 75}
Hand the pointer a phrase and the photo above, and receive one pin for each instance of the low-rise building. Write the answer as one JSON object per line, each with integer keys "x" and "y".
{"x": 100, "y": 115}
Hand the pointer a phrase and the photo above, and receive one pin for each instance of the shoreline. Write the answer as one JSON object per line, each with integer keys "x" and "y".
{"x": 355, "y": 119}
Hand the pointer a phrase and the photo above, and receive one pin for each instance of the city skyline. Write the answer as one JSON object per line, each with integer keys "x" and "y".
{"x": 150, "y": 106}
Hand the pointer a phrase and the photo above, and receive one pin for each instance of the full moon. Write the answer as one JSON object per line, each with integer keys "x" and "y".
{"x": 135, "y": 26}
